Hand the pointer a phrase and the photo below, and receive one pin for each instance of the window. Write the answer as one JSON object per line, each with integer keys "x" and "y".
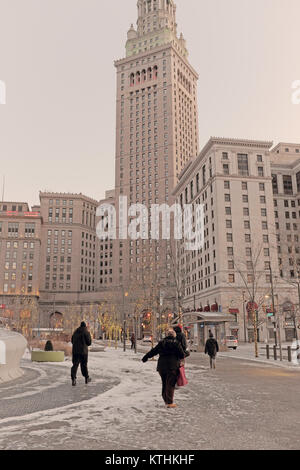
{"x": 260, "y": 171}
{"x": 287, "y": 184}
{"x": 275, "y": 184}
{"x": 231, "y": 278}
{"x": 243, "y": 167}
{"x": 226, "y": 169}
{"x": 298, "y": 181}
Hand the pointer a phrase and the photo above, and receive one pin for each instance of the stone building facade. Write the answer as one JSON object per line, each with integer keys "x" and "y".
{"x": 240, "y": 256}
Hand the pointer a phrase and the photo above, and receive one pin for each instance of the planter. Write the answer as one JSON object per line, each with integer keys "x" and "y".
{"x": 47, "y": 356}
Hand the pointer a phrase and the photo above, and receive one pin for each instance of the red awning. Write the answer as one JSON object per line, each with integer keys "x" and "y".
{"x": 215, "y": 308}
{"x": 234, "y": 310}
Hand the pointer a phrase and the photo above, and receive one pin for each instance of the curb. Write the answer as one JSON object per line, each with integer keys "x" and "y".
{"x": 263, "y": 361}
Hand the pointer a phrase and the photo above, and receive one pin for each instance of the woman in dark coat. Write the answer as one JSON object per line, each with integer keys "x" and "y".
{"x": 170, "y": 354}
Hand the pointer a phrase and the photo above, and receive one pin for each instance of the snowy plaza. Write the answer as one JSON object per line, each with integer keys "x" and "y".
{"x": 243, "y": 404}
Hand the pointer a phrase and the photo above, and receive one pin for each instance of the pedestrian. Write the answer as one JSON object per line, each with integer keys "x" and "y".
{"x": 181, "y": 340}
{"x": 81, "y": 340}
{"x": 132, "y": 339}
{"x": 212, "y": 348}
{"x": 170, "y": 354}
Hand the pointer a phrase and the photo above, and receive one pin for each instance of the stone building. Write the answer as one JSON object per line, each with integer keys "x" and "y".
{"x": 156, "y": 135}
{"x": 232, "y": 179}
{"x": 20, "y": 249}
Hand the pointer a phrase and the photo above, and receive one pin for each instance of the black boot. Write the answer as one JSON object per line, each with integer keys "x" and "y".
{"x": 88, "y": 380}
{"x": 73, "y": 382}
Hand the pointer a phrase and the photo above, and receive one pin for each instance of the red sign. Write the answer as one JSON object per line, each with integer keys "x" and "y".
{"x": 251, "y": 306}
{"x": 2, "y": 307}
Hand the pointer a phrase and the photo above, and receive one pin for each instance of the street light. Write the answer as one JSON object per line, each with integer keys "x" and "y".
{"x": 244, "y": 313}
{"x": 277, "y": 325}
{"x": 125, "y": 294}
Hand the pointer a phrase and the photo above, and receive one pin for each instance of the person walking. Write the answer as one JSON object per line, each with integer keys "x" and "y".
{"x": 81, "y": 340}
{"x": 132, "y": 339}
{"x": 181, "y": 340}
{"x": 170, "y": 354}
{"x": 212, "y": 348}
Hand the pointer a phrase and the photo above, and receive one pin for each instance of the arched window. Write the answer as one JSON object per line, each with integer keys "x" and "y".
{"x": 132, "y": 79}
{"x": 138, "y": 78}
{"x": 149, "y": 73}
{"x": 155, "y": 72}
{"x": 144, "y": 75}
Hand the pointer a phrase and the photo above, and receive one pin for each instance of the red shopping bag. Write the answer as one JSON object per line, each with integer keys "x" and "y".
{"x": 182, "y": 381}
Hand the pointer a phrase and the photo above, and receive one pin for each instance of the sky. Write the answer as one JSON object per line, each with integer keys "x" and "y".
{"x": 57, "y": 128}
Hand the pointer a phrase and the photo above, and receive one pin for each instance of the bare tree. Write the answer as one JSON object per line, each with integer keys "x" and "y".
{"x": 251, "y": 277}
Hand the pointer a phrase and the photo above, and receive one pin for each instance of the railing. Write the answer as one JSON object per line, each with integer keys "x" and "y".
{"x": 290, "y": 353}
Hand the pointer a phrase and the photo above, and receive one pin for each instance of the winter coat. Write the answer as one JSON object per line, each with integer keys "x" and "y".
{"x": 81, "y": 340}
{"x": 182, "y": 340}
{"x": 170, "y": 353}
{"x": 211, "y": 347}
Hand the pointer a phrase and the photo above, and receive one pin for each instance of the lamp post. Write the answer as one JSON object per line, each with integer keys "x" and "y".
{"x": 277, "y": 324}
{"x": 244, "y": 313}
{"x": 125, "y": 294}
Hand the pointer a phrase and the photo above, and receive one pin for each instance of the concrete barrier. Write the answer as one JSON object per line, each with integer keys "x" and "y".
{"x": 12, "y": 348}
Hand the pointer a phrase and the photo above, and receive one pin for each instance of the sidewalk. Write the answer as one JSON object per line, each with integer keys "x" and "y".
{"x": 247, "y": 352}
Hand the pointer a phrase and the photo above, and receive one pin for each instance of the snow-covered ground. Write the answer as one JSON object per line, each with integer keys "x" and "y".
{"x": 238, "y": 406}
{"x": 118, "y": 410}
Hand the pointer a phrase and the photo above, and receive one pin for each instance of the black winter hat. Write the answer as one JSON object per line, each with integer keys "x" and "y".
{"x": 83, "y": 324}
{"x": 177, "y": 329}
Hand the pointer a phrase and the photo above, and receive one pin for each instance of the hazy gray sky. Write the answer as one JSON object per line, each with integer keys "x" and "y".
{"x": 57, "y": 130}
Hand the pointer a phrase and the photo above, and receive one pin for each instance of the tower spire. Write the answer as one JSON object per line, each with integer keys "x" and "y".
{"x": 156, "y": 26}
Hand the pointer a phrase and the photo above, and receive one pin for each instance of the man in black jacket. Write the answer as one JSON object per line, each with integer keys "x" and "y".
{"x": 81, "y": 340}
{"x": 212, "y": 348}
{"x": 170, "y": 354}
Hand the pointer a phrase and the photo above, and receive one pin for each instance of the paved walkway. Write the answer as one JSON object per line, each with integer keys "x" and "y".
{"x": 45, "y": 387}
{"x": 241, "y": 405}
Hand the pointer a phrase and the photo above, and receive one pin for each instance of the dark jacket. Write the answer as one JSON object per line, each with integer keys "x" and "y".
{"x": 211, "y": 347}
{"x": 81, "y": 340}
{"x": 170, "y": 353}
{"x": 181, "y": 340}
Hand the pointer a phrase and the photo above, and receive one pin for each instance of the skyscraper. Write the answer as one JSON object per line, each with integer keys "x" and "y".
{"x": 156, "y": 131}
